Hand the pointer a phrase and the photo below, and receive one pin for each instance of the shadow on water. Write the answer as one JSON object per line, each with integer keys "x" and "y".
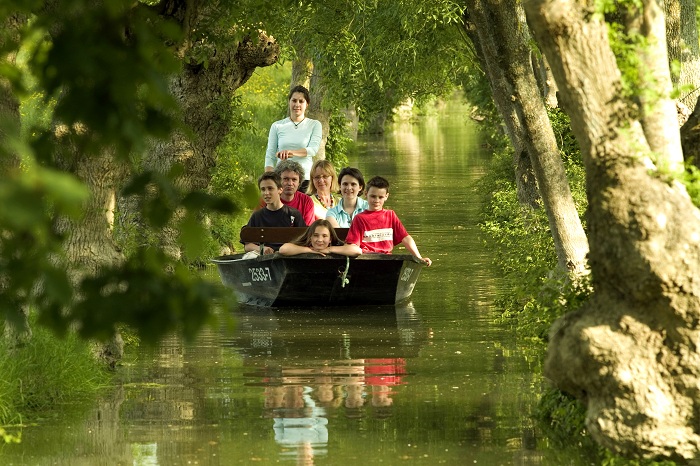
{"x": 297, "y": 334}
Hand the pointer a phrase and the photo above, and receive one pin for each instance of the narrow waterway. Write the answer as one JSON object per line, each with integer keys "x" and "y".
{"x": 436, "y": 381}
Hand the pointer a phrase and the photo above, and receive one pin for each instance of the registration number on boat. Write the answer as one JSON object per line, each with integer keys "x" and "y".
{"x": 260, "y": 274}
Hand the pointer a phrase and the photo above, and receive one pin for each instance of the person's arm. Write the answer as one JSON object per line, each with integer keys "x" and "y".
{"x": 271, "y": 151}
{"x": 354, "y": 235}
{"x": 256, "y": 247}
{"x": 312, "y": 147}
{"x": 315, "y": 139}
{"x": 331, "y": 219}
{"x": 291, "y": 249}
{"x": 308, "y": 208}
{"x": 347, "y": 249}
{"x": 289, "y": 153}
{"x": 332, "y": 215}
{"x": 410, "y": 244}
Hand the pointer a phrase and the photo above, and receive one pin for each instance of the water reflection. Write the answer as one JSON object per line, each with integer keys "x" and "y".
{"x": 312, "y": 365}
{"x": 439, "y": 384}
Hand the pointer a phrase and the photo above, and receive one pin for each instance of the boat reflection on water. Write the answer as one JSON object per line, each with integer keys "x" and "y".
{"x": 316, "y": 364}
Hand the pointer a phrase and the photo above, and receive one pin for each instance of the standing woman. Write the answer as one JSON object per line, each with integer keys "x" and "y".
{"x": 323, "y": 186}
{"x": 296, "y": 137}
{"x": 352, "y": 185}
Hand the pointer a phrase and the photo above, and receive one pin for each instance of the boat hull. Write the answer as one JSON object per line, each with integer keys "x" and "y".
{"x": 313, "y": 280}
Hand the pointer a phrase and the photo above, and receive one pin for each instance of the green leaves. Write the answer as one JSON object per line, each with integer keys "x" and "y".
{"x": 111, "y": 73}
{"x": 149, "y": 293}
{"x": 375, "y": 55}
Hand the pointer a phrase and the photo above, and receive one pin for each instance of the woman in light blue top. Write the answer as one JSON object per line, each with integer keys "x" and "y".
{"x": 352, "y": 185}
{"x": 296, "y": 137}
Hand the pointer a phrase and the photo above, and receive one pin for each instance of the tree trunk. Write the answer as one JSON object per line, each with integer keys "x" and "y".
{"x": 683, "y": 47}
{"x": 89, "y": 243}
{"x": 631, "y": 351}
{"x": 525, "y": 183}
{"x": 302, "y": 68}
{"x": 204, "y": 94}
{"x": 16, "y": 331}
{"x": 545, "y": 79}
{"x": 306, "y": 73}
{"x": 690, "y": 136}
{"x": 658, "y": 108}
{"x": 504, "y": 22}
{"x": 317, "y": 111}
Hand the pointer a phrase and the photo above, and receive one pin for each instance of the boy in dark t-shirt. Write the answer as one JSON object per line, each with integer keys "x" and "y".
{"x": 274, "y": 214}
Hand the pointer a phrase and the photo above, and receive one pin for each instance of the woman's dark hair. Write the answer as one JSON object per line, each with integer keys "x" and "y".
{"x": 305, "y": 239}
{"x": 302, "y": 90}
{"x": 355, "y": 173}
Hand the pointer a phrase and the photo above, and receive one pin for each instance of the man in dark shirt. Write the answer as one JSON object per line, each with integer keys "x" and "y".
{"x": 274, "y": 214}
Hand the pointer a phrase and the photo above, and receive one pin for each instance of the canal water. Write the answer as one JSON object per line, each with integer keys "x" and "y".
{"x": 435, "y": 381}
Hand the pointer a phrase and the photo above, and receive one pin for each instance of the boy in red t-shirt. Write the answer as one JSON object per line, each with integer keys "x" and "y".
{"x": 377, "y": 229}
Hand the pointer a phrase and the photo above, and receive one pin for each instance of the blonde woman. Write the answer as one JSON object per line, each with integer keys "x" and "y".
{"x": 323, "y": 186}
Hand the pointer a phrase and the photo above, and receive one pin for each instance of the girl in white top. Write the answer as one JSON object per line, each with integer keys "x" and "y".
{"x": 296, "y": 137}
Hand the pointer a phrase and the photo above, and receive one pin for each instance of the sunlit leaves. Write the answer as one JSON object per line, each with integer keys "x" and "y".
{"x": 10, "y": 438}
{"x": 159, "y": 197}
{"x": 111, "y": 73}
{"x": 378, "y": 54}
{"x": 93, "y": 79}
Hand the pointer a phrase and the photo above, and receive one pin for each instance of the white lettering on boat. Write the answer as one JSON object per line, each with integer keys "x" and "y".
{"x": 406, "y": 274}
{"x": 260, "y": 274}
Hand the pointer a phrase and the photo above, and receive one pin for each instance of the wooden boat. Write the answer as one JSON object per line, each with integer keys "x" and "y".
{"x": 314, "y": 280}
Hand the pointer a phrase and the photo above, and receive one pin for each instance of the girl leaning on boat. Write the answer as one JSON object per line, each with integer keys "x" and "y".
{"x": 320, "y": 238}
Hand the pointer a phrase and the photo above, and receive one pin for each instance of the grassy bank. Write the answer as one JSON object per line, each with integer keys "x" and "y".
{"x": 43, "y": 375}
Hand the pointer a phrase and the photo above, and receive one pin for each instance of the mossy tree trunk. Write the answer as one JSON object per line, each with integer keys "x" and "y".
{"x": 525, "y": 182}
{"x": 204, "y": 94}
{"x": 631, "y": 352}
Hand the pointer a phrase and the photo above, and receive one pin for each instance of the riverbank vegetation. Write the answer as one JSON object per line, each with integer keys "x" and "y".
{"x": 44, "y": 375}
{"x": 532, "y": 296}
